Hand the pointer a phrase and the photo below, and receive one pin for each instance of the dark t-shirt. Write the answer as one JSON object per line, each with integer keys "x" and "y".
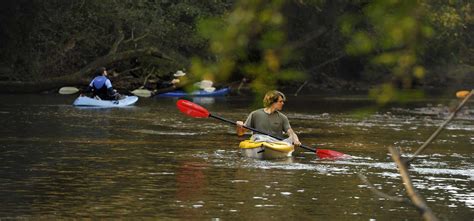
{"x": 275, "y": 123}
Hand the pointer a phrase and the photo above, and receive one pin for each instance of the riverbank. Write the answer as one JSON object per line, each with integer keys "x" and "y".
{"x": 436, "y": 81}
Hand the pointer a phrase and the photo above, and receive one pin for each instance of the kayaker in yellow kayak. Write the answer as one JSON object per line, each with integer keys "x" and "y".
{"x": 270, "y": 120}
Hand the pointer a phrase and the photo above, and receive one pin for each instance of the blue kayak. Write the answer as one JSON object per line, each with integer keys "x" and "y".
{"x": 199, "y": 93}
{"x": 93, "y": 102}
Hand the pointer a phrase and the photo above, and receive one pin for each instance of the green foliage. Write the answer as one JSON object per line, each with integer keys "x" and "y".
{"x": 394, "y": 34}
{"x": 387, "y": 92}
{"x": 270, "y": 42}
{"x": 250, "y": 41}
{"x": 454, "y": 25}
{"x": 54, "y": 38}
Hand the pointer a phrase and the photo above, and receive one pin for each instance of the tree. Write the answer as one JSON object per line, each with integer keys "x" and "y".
{"x": 50, "y": 39}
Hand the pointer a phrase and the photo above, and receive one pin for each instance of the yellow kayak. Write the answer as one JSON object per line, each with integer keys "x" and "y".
{"x": 266, "y": 150}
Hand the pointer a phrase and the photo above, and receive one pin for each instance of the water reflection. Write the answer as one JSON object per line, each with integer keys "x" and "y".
{"x": 151, "y": 161}
{"x": 204, "y": 100}
{"x": 191, "y": 180}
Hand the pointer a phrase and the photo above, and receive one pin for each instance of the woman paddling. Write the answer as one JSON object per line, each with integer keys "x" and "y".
{"x": 269, "y": 120}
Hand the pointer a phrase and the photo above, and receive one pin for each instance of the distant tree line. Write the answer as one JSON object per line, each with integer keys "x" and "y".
{"x": 339, "y": 44}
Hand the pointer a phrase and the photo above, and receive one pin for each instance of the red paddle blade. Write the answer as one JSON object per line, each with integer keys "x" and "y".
{"x": 191, "y": 109}
{"x": 331, "y": 154}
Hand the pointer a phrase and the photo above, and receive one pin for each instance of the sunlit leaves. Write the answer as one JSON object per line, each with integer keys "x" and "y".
{"x": 272, "y": 60}
{"x": 291, "y": 74}
{"x": 210, "y": 27}
{"x": 383, "y": 93}
{"x": 250, "y": 40}
{"x": 394, "y": 34}
{"x": 419, "y": 72}
{"x": 386, "y": 93}
{"x": 448, "y": 17}
{"x": 361, "y": 44}
{"x": 453, "y": 22}
{"x": 272, "y": 39}
{"x": 427, "y": 31}
{"x": 386, "y": 59}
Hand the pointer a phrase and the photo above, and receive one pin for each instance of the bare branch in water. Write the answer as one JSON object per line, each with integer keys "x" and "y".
{"x": 415, "y": 198}
{"x": 380, "y": 193}
{"x": 440, "y": 128}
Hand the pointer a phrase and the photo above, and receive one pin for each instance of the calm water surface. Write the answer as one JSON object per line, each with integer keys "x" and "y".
{"x": 150, "y": 161}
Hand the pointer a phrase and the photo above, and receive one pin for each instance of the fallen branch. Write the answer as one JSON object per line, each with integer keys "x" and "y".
{"x": 380, "y": 193}
{"x": 120, "y": 37}
{"x": 80, "y": 77}
{"x": 301, "y": 87}
{"x": 415, "y": 198}
{"x": 133, "y": 39}
{"x": 148, "y": 76}
{"x": 311, "y": 69}
{"x": 130, "y": 70}
{"x": 440, "y": 128}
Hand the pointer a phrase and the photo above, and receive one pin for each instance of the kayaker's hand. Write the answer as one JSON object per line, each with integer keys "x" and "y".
{"x": 297, "y": 143}
{"x": 240, "y": 128}
{"x": 175, "y": 81}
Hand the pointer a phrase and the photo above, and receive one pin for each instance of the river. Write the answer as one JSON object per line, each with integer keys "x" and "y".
{"x": 150, "y": 161}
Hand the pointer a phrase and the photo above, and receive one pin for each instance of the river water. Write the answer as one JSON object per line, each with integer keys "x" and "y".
{"x": 150, "y": 161}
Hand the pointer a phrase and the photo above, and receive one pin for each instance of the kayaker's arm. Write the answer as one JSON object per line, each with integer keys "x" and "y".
{"x": 294, "y": 137}
{"x": 240, "y": 128}
{"x": 86, "y": 91}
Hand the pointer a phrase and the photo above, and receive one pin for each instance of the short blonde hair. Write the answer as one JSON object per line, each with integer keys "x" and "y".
{"x": 272, "y": 97}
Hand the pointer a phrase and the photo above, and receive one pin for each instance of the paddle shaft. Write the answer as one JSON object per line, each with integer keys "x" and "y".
{"x": 258, "y": 131}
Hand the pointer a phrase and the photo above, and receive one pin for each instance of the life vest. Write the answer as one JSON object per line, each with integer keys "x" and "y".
{"x": 100, "y": 85}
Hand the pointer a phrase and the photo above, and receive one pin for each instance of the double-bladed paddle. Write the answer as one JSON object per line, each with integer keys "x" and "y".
{"x": 138, "y": 92}
{"x": 193, "y": 110}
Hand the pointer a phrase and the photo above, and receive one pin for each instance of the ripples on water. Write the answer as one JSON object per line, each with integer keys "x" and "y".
{"x": 150, "y": 161}
{"x": 430, "y": 173}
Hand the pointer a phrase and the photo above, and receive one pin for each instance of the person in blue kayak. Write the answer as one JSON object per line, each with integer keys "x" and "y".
{"x": 270, "y": 120}
{"x": 101, "y": 86}
{"x": 170, "y": 84}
